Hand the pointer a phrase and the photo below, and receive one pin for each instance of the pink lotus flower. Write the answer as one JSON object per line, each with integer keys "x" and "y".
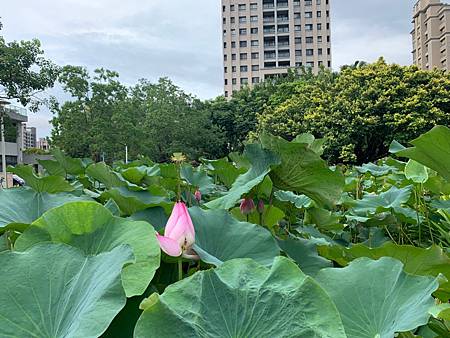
{"x": 179, "y": 234}
{"x": 247, "y": 206}
{"x": 198, "y": 195}
{"x": 260, "y": 206}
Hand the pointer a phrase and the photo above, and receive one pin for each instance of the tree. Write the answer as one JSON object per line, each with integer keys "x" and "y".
{"x": 362, "y": 109}
{"x": 24, "y": 72}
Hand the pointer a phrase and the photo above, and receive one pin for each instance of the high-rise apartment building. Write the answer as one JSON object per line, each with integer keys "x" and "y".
{"x": 263, "y": 38}
{"x": 29, "y": 137}
{"x": 431, "y": 34}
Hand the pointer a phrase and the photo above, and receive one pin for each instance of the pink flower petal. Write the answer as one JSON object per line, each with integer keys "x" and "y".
{"x": 189, "y": 227}
{"x": 173, "y": 219}
{"x": 169, "y": 246}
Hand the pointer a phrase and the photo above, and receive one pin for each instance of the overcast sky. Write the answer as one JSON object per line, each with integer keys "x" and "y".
{"x": 181, "y": 39}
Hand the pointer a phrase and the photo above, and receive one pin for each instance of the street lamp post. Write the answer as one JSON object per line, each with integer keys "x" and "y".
{"x": 3, "y": 103}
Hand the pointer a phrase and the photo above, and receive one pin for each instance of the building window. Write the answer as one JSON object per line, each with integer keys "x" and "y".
{"x": 328, "y": 26}
{"x": 233, "y": 57}
{"x": 233, "y": 19}
{"x": 297, "y": 16}
{"x": 233, "y": 69}
{"x": 329, "y": 63}
{"x": 253, "y": 6}
{"x": 298, "y": 52}
{"x": 234, "y": 81}
{"x": 255, "y": 56}
{"x": 233, "y": 44}
{"x": 224, "y": 32}
{"x": 310, "y": 64}
{"x": 242, "y": 19}
{"x": 225, "y": 69}
{"x": 232, "y": 8}
{"x": 309, "y": 52}
{"x": 224, "y": 21}
{"x": 319, "y": 26}
{"x": 298, "y": 41}
{"x": 298, "y": 64}
{"x": 255, "y": 80}
{"x": 226, "y": 82}
{"x": 308, "y": 15}
{"x": 242, "y": 7}
{"x": 224, "y": 45}
{"x": 309, "y": 27}
{"x": 226, "y": 93}
{"x": 319, "y": 51}
{"x": 242, "y": 44}
{"x": 318, "y": 2}
{"x": 255, "y": 43}
{"x": 309, "y": 39}
{"x": 244, "y": 69}
{"x": 244, "y": 80}
{"x": 255, "y": 68}
{"x": 254, "y": 18}
{"x": 297, "y": 28}
{"x": 308, "y": 3}
{"x": 254, "y": 30}
{"x": 233, "y": 32}
{"x": 319, "y": 14}
{"x": 224, "y": 9}
{"x": 243, "y": 56}
{"x": 328, "y": 38}
{"x": 319, "y": 38}
{"x": 328, "y": 51}
{"x": 225, "y": 57}
{"x": 243, "y": 31}
{"x": 320, "y": 63}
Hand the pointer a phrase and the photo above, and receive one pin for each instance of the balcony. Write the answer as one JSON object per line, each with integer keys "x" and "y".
{"x": 283, "y": 19}
{"x": 283, "y": 44}
{"x": 270, "y": 56}
{"x": 282, "y": 30}
{"x": 269, "y": 30}
{"x": 284, "y": 55}
{"x": 269, "y": 20}
{"x": 16, "y": 113}
{"x": 282, "y": 5}
{"x": 269, "y": 45}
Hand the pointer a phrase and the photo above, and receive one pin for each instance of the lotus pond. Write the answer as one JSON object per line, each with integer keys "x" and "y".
{"x": 272, "y": 242}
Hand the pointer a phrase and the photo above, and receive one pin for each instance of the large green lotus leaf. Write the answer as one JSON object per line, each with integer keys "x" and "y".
{"x": 137, "y": 174}
{"x": 102, "y": 173}
{"x": 197, "y": 178}
{"x": 226, "y": 172}
{"x": 431, "y": 149}
{"x": 92, "y": 228}
{"x": 242, "y": 299}
{"x": 24, "y": 205}
{"x": 219, "y": 237}
{"x": 315, "y": 145}
{"x": 393, "y": 199}
{"x": 131, "y": 202}
{"x": 52, "y": 167}
{"x": 261, "y": 163}
{"x": 156, "y": 216}
{"x": 323, "y": 219}
{"x": 54, "y": 290}
{"x": 303, "y": 171}
{"x": 304, "y": 253}
{"x": 378, "y": 299}
{"x": 300, "y": 201}
{"x": 375, "y": 170}
{"x": 418, "y": 261}
{"x": 72, "y": 166}
{"x": 48, "y": 184}
{"x": 416, "y": 172}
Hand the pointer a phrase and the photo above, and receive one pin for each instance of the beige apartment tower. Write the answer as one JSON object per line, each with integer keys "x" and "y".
{"x": 431, "y": 35}
{"x": 264, "y": 38}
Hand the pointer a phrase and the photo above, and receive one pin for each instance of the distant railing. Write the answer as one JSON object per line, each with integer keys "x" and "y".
{"x": 17, "y": 110}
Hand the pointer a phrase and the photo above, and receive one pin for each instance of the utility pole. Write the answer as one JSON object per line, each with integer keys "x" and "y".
{"x": 3, "y": 103}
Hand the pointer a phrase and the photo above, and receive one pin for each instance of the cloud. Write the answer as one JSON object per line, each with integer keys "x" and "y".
{"x": 181, "y": 39}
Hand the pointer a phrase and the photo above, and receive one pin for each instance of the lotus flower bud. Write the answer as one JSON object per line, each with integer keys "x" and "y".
{"x": 198, "y": 195}
{"x": 247, "y": 206}
{"x": 261, "y": 206}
